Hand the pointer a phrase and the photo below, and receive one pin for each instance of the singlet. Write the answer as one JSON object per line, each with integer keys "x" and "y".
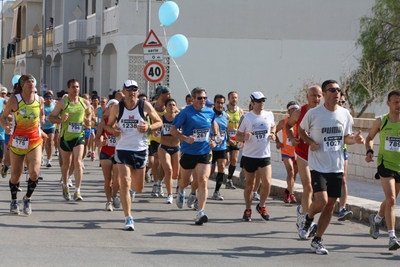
{"x": 160, "y": 113}
{"x": 328, "y": 129}
{"x": 258, "y": 146}
{"x": 128, "y": 119}
{"x": 109, "y": 149}
{"x": 73, "y": 127}
{"x": 25, "y": 134}
{"x": 2, "y": 132}
{"x": 302, "y": 148}
{"x": 195, "y": 123}
{"x": 233, "y": 123}
{"x": 287, "y": 148}
{"x": 389, "y": 144}
{"x": 166, "y": 128}
{"x": 47, "y": 110}
{"x": 223, "y": 126}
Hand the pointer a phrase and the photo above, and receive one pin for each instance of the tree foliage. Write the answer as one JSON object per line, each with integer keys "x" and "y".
{"x": 379, "y": 68}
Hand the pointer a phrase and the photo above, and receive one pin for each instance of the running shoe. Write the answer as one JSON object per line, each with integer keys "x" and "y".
{"x": 247, "y": 215}
{"x": 129, "y": 224}
{"x": 345, "y": 215}
{"x": 14, "y": 207}
{"x": 180, "y": 199}
{"x": 293, "y": 199}
{"x": 133, "y": 194}
{"x": 196, "y": 204}
{"x": 201, "y": 218}
{"x": 286, "y": 196}
{"x": 56, "y": 153}
{"x": 48, "y": 165}
{"x": 4, "y": 171}
{"x": 148, "y": 177}
{"x": 256, "y": 196}
{"x": 217, "y": 196}
{"x": 25, "y": 170}
{"x": 170, "y": 199}
{"x": 393, "y": 243}
{"x": 66, "y": 194}
{"x": 77, "y": 196}
{"x": 154, "y": 191}
{"x": 313, "y": 230}
{"x": 27, "y": 209}
{"x": 40, "y": 176}
{"x": 374, "y": 227}
{"x": 109, "y": 206}
{"x": 19, "y": 189}
{"x": 70, "y": 184}
{"x": 92, "y": 157}
{"x": 318, "y": 247}
{"x": 229, "y": 185}
{"x": 263, "y": 212}
{"x": 191, "y": 200}
{"x": 300, "y": 217}
{"x": 27, "y": 177}
{"x": 305, "y": 229}
{"x": 89, "y": 154}
{"x": 116, "y": 202}
{"x": 160, "y": 190}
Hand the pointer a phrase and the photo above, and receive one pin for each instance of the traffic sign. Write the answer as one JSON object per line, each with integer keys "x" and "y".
{"x": 154, "y": 71}
{"x": 152, "y": 40}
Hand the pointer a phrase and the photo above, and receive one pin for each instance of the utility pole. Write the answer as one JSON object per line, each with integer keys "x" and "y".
{"x": 1, "y": 44}
{"x": 44, "y": 32}
{"x": 147, "y": 32}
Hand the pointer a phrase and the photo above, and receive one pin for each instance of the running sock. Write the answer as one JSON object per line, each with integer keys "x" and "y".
{"x": 391, "y": 233}
{"x": 378, "y": 219}
{"x": 13, "y": 189}
{"x": 31, "y": 187}
{"x": 341, "y": 208}
{"x": 219, "y": 180}
{"x": 231, "y": 170}
{"x": 308, "y": 218}
{"x": 78, "y": 189}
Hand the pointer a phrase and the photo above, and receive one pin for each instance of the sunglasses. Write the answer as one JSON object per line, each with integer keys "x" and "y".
{"x": 259, "y": 100}
{"x": 342, "y": 102}
{"x": 333, "y": 89}
{"x": 201, "y": 98}
{"x": 102, "y": 102}
{"x": 131, "y": 88}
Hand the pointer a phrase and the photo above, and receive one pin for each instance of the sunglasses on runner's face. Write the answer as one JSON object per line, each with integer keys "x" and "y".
{"x": 201, "y": 98}
{"x": 259, "y": 100}
{"x": 342, "y": 102}
{"x": 131, "y": 88}
{"x": 333, "y": 89}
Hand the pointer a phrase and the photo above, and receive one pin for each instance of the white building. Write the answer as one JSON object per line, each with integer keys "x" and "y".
{"x": 234, "y": 45}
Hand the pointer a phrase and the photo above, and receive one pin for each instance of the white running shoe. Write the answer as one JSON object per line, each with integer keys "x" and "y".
{"x": 129, "y": 224}
{"x": 109, "y": 206}
{"x": 170, "y": 199}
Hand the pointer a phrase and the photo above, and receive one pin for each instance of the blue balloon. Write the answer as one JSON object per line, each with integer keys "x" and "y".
{"x": 168, "y": 13}
{"x": 177, "y": 45}
{"x": 34, "y": 81}
{"x": 15, "y": 79}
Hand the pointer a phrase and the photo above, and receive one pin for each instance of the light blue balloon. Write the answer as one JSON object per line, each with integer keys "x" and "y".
{"x": 168, "y": 13}
{"x": 177, "y": 45}
{"x": 15, "y": 79}
{"x": 34, "y": 81}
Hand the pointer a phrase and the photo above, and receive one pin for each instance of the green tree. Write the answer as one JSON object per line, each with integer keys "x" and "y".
{"x": 379, "y": 64}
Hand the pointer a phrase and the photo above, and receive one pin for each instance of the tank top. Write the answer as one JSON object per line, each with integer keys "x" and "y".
{"x": 302, "y": 148}
{"x": 152, "y": 137}
{"x": 130, "y": 138}
{"x": 287, "y": 148}
{"x": 73, "y": 127}
{"x": 47, "y": 111}
{"x": 109, "y": 149}
{"x": 166, "y": 128}
{"x": 233, "y": 123}
{"x": 389, "y": 144}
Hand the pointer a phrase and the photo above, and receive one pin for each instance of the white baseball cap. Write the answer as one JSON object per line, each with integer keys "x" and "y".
{"x": 130, "y": 83}
{"x": 257, "y": 96}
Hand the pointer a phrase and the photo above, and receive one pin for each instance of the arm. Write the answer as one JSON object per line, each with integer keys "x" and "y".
{"x": 279, "y": 127}
{"x": 8, "y": 109}
{"x": 88, "y": 112}
{"x": 289, "y": 127}
{"x": 112, "y": 119}
{"x": 215, "y": 131}
{"x": 99, "y": 138}
{"x": 155, "y": 118}
{"x": 42, "y": 115}
{"x": 272, "y": 134}
{"x": 369, "y": 141}
{"x": 177, "y": 134}
{"x": 351, "y": 139}
{"x": 242, "y": 136}
{"x": 54, "y": 115}
{"x": 303, "y": 135}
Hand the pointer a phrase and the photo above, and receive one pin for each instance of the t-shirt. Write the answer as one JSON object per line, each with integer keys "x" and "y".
{"x": 258, "y": 146}
{"x": 328, "y": 128}
{"x": 197, "y": 123}
{"x": 222, "y": 125}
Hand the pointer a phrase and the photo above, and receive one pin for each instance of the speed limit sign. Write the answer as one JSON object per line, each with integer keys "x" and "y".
{"x": 154, "y": 71}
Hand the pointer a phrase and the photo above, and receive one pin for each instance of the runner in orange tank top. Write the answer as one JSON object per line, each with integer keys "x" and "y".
{"x": 314, "y": 96}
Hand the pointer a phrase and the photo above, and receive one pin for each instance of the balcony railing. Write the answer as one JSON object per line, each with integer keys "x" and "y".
{"x": 32, "y": 43}
{"x": 77, "y": 31}
{"x": 111, "y": 18}
{"x": 58, "y": 34}
{"x": 93, "y": 26}
{"x": 23, "y": 46}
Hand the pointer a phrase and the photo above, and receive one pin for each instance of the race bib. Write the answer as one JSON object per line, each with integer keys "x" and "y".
{"x": 288, "y": 142}
{"x": 129, "y": 125}
{"x": 111, "y": 140}
{"x": 166, "y": 129}
{"x": 231, "y": 132}
{"x": 222, "y": 134}
{"x": 261, "y": 136}
{"x": 201, "y": 135}
{"x": 392, "y": 143}
{"x": 74, "y": 127}
{"x": 20, "y": 142}
{"x": 333, "y": 143}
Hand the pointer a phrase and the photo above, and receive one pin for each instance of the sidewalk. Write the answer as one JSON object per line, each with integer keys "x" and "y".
{"x": 364, "y": 197}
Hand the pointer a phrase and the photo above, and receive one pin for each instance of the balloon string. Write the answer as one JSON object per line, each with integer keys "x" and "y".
{"x": 176, "y": 65}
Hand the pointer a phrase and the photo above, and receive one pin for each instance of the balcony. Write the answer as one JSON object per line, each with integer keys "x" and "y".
{"x": 77, "y": 34}
{"x": 111, "y": 18}
{"x": 93, "y": 30}
{"x": 32, "y": 43}
{"x": 58, "y": 35}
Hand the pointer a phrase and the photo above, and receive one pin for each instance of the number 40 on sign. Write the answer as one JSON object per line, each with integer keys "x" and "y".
{"x": 154, "y": 71}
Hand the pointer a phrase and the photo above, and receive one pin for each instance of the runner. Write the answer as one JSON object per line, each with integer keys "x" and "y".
{"x": 48, "y": 127}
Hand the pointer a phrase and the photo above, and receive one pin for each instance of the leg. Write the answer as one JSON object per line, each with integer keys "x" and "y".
{"x": 305, "y": 176}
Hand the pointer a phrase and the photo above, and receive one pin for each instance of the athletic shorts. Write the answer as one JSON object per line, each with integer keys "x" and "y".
{"x": 327, "y": 182}
{"x": 189, "y": 162}
{"x": 49, "y": 131}
{"x": 387, "y": 173}
{"x": 135, "y": 159}
{"x": 252, "y": 164}
{"x": 230, "y": 148}
{"x": 2, "y": 147}
{"x": 218, "y": 154}
{"x": 104, "y": 156}
{"x": 69, "y": 145}
{"x": 345, "y": 155}
{"x": 87, "y": 133}
{"x": 154, "y": 146}
{"x": 284, "y": 156}
{"x": 169, "y": 149}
